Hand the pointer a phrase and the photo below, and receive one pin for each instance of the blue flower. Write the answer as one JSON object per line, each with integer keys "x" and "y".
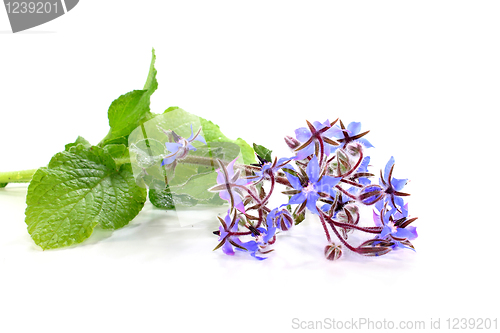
{"x": 392, "y": 186}
{"x": 229, "y": 185}
{"x": 316, "y": 186}
{"x": 226, "y": 239}
{"x": 181, "y": 147}
{"x": 260, "y": 246}
{"x": 229, "y": 240}
{"x": 268, "y": 169}
{"x": 395, "y": 227}
{"x": 387, "y": 191}
{"x": 312, "y": 135}
{"x": 340, "y": 202}
{"x": 352, "y": 133}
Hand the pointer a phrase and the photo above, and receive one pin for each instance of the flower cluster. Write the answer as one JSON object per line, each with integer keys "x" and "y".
{"x": 328, "y": 175}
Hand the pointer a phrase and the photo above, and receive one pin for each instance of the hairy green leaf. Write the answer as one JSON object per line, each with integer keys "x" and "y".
{"x": 78, "y": 190}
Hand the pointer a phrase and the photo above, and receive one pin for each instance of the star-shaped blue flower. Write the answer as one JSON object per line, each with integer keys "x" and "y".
{"x": 315, "y": 187}
{"x": 268, "y": 169}
{"x": 395, "y": 226}
{"x": 181, "y": 147}
{"x": 350, "y": 134}
{"x": 312, "y": 135}
{"x": 392, "y": 186}
{"x": 228, "y": 183}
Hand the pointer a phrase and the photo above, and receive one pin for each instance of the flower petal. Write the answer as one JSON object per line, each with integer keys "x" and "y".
{"x": 398, "y": 184}
{"x": 302, "y": 134}
{"x": 387, "y": 169}
{"x": 192, "y": 134}
{"x": 168, "y": 160}
{"x": 413, "y": 231}
{"x": 230, "y": 168}
{"x": 312, "y": 169}
{"x": 354, "y": 128}
{"x": 327, "y": 184}
{"x": 227, "y": 248}
{"x": 326, "y": 207}
{"x": 376, "y": 219}
{"x": 335, "y": 131}
{"x": 303, "y": 153}
{"x": 312, "y": 198}
{"x": 173, "y": 147}
{"x": 404, "y": 233}
{"x": 200, "y": 138}
{"x": 297, "y": 198}
{"x": 365, "y": 143}
{"x": 238, "y": 203}
{"x": 224, "y": 195}
{"x": 294, "y": 181}
{"x": 318, "y": 126}
{"x": 385, "y": 231}
{"x": 269, "y": 234}
{"x": 400, "y": 204}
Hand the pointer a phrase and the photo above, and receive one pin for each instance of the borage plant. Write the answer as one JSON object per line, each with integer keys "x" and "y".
{"x": 180, "y": 159}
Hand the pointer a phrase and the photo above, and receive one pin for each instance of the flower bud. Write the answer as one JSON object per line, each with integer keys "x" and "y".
{"x": 370, "y": 194}
{"x": 292, "y": 142}
{"x": 333, "y": 252}
{"x": 354, "y": 148}
{"x": 284, "y": 220}
{"x": 375, "y": 247}
{"x": 349, "y": 214}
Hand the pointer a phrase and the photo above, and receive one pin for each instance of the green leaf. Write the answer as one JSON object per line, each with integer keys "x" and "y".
{"x": 78, "y": 140}
{"x": 125, "y": 113}
{"x": 263, "y": 152}
{"x": 151, "y": 82}
{"x": 2, "y": 185}
{"x": 78, "y": 190}
{"x": 130, "y": 110}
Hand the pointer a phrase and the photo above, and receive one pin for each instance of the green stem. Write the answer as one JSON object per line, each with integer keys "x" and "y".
{"x": 17, "y": 176}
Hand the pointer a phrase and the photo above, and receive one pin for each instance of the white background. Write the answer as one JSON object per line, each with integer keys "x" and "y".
{"x": 423, "y": 76}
